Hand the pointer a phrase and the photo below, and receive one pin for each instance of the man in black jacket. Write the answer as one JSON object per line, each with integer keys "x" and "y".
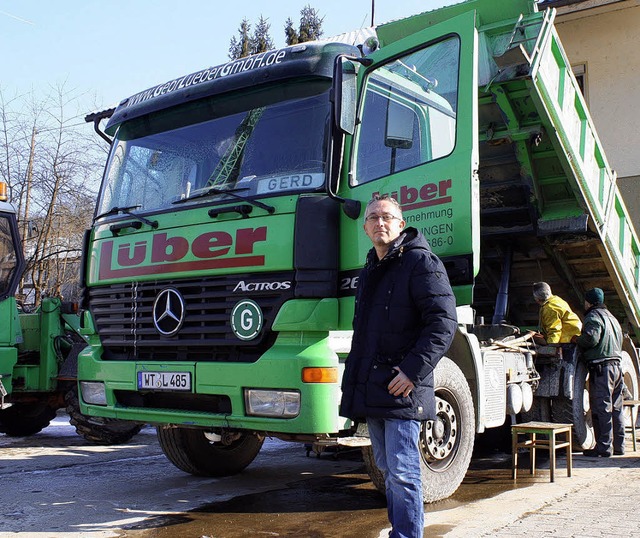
{"x": 601, "y": 346}
{"x": 405, "y": 320}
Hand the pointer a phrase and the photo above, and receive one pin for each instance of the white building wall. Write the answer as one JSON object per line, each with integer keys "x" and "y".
{"x": 607, "y": 41}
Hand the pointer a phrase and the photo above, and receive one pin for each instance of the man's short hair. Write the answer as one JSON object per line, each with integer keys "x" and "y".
{"x": 385, "y": 198}
{"x": 541, "y": 291}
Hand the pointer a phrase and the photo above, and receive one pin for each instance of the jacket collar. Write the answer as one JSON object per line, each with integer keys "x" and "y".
{"x": 409, "y": 239}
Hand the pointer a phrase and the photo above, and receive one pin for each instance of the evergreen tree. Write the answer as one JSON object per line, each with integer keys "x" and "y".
{"x": 261, "y": 41}
{"x": 310, "y": 24}
{"x": 239, "y": 48}
{"x": 291, "y": 35}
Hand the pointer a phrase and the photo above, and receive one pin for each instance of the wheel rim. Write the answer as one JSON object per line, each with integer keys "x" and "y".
{"x": 586, "y": 413}
{"x": 439, "y": 439}
{"x": 586, "y": 405}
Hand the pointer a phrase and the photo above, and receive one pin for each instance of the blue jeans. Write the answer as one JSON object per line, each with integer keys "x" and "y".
{"x": 397, "y": 455}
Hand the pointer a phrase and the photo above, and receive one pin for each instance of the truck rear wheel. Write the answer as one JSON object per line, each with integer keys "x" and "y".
{"x": 447, "y": 443}
{"x": 195, "y": 452}
{"x": 540, "y": 411}
{"x": 98, "y": 430}
{"x": 22, "y": 420}
{"x": 577, "y": 411}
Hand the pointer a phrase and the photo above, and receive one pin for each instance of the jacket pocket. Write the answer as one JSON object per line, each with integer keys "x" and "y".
{"x": 377, "y": 391}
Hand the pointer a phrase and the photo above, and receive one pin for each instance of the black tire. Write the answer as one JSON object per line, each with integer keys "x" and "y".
{"x": 191, "y": 451}
{"x": 540, "y": 411}
{"x": 578, "y": 410}
{"x": 446, "y": 455}
{"x": 630, "y": 377}
{"x": 98, "y": 430}
{"x": 22, "y": 420}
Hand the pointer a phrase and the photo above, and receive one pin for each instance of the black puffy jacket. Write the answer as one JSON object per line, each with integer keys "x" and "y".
{"x": 405, "y": 316}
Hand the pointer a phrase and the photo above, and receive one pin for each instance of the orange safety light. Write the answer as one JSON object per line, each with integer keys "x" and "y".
{"x": 3, "y": 192}
{"x": 320, "y": 375}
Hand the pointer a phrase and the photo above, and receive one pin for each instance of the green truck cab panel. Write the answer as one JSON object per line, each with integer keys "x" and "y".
{"x": 40, "y": 362}
{"x": 217, "y": 399}
{"x": 307, "y": 315}
{"x": 416, "y": 140}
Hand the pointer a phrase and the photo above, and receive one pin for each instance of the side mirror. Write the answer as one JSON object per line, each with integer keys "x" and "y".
{"x": 345, "y": 95}
{"x": 399, "y": 128}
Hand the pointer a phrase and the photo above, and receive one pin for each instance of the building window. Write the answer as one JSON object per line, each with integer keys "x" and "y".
{"x": 580, "y": 72}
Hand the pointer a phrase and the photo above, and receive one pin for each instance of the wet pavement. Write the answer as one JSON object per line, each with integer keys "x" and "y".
{"x": 340, "y": 505}
{"x": 489, "y": 503}
{"x": 56, "y": 485}
{"x": 344, "y": 505}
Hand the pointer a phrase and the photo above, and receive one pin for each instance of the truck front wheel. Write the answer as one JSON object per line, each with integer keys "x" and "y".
{"x": 98, "y": 430}
{"x": 200, "y": 453}
{"x": 446, "y": 443}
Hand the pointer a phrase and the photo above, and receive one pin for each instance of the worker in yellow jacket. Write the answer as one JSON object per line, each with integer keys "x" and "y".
{"x": 558, "y": 323}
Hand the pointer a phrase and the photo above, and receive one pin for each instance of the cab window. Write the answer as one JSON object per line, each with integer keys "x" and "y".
{"x": 8, "y": 256}
{"x": 408, "y": 114}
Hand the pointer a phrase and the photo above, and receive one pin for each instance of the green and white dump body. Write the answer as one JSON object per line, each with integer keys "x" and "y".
{"x": 222, "y": 265}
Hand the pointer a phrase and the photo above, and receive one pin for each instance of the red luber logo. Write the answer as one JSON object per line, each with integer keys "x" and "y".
{"x": 429, "y": 194}
{"x": 174, "y": 254}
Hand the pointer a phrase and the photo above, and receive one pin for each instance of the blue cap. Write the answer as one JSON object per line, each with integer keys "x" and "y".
{"x": 594, "y": 296}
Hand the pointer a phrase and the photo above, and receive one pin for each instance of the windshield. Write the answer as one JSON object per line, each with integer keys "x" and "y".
{"x": 264, "y": 143}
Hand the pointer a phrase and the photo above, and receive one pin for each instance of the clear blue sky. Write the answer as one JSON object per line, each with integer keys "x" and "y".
{"x": 112, "y": 49}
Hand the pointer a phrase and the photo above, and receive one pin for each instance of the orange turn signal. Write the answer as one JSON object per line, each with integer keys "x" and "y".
{"x": 3, "y": 192}
{"x": 320, "y": 375}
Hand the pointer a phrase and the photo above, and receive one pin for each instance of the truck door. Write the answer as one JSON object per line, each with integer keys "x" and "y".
{"x": 416, "y": 140}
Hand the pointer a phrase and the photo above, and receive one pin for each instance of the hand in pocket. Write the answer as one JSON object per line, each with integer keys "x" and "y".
{"x": 400, "y": 385}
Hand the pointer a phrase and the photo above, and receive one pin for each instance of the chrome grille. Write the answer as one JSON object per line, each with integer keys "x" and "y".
{"x": 123, "y": 314}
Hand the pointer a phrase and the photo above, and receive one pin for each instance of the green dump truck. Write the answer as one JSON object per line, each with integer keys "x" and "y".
{"x": 222, "y": 263}
{"x": 38, "y": 354}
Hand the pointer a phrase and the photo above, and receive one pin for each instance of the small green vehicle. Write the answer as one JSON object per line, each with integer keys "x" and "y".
{"x": 38, "y": 355}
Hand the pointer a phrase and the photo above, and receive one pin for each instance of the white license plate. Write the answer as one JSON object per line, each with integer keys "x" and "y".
{"x": 164, "y": 380}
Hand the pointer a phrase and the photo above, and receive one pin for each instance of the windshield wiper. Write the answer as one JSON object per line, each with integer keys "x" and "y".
{"x": 231, "y": 192}
{"x": 127, "y": 211}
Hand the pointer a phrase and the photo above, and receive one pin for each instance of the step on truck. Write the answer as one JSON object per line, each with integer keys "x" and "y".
{"x": 38, "y": 354}
{"x": 223, "y": 260}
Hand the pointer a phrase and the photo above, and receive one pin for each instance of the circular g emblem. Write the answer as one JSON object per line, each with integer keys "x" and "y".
{"x": 246, "y": 319}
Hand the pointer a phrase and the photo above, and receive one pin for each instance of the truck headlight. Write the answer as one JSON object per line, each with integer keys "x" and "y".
{"x": 272, "y": 403}
{"x": 93, "y": 392}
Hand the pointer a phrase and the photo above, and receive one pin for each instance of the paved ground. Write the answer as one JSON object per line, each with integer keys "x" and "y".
{"x": 601, "y": 499}
{"x": 56, "y": 485}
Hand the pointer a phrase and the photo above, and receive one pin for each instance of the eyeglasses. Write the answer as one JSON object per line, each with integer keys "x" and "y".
{"x": 386, "y": 217}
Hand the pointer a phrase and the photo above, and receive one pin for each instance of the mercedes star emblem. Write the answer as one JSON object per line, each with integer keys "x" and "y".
{"x": 168, "y": 312}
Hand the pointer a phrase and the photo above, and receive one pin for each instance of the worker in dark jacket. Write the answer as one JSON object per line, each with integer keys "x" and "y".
{"x": 601, "y": 346}
{"x": 405, "y": 320}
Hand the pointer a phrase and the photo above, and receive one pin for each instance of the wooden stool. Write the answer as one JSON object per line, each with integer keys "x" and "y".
{"x": 531, "y": 429}
{"x": 633, "y": 409}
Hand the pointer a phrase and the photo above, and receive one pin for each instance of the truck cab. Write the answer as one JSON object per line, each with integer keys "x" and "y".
{"x": 221, "y": 268}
